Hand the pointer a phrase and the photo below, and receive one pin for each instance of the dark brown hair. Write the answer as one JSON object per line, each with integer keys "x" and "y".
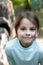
{"x": 30, "y": 16}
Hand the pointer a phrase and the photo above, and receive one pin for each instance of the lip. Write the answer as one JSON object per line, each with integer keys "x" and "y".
{"x": 27, "y": 37}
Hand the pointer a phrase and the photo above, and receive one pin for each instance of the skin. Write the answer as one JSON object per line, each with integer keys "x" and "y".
{"x": 26, "y": 32}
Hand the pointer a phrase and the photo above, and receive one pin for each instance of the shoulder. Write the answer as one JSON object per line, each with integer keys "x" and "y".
{"x": 39, "y": 45}
{"x": 40, "y": 48}
{"x": 9, "y": 45}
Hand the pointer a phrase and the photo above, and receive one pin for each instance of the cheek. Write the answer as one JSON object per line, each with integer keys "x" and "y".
{"x": 33, "y": 33}
{"x": 19, "y": 32}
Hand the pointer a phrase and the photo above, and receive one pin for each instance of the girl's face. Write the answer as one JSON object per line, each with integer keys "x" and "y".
{"x": 26, "y": 32}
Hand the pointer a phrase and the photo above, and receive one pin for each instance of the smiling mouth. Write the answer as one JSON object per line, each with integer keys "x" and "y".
{"x": 27, "y": 38}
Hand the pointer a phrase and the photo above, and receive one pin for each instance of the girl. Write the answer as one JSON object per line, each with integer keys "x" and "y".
{"x": 25, "y": 49}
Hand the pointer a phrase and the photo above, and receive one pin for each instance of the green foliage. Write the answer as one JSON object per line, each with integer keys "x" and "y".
{"x": 36, "y": 4}
{"x": 41, "y": 21}
{"x": 18, "y": 3}
{"x": 40, "y": 16}
{"x": 29, "y": 1}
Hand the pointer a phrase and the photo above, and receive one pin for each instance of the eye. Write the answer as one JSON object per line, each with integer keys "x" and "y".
{"x": 23, "y": 28}
{"x": 32, "y": 29}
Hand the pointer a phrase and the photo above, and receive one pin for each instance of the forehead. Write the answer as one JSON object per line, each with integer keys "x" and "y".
{"x": 27, "y": 23}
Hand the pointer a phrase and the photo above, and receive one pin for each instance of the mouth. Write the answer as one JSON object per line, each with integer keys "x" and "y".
{"x": 27, "y": 38}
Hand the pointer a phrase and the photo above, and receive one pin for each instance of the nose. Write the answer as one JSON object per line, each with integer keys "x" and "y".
{"x": 28, "y": 32}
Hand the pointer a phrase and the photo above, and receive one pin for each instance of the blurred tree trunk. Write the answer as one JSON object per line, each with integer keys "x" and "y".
{"x": 42, "y": 3}
{"x": 27, "y": 5}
